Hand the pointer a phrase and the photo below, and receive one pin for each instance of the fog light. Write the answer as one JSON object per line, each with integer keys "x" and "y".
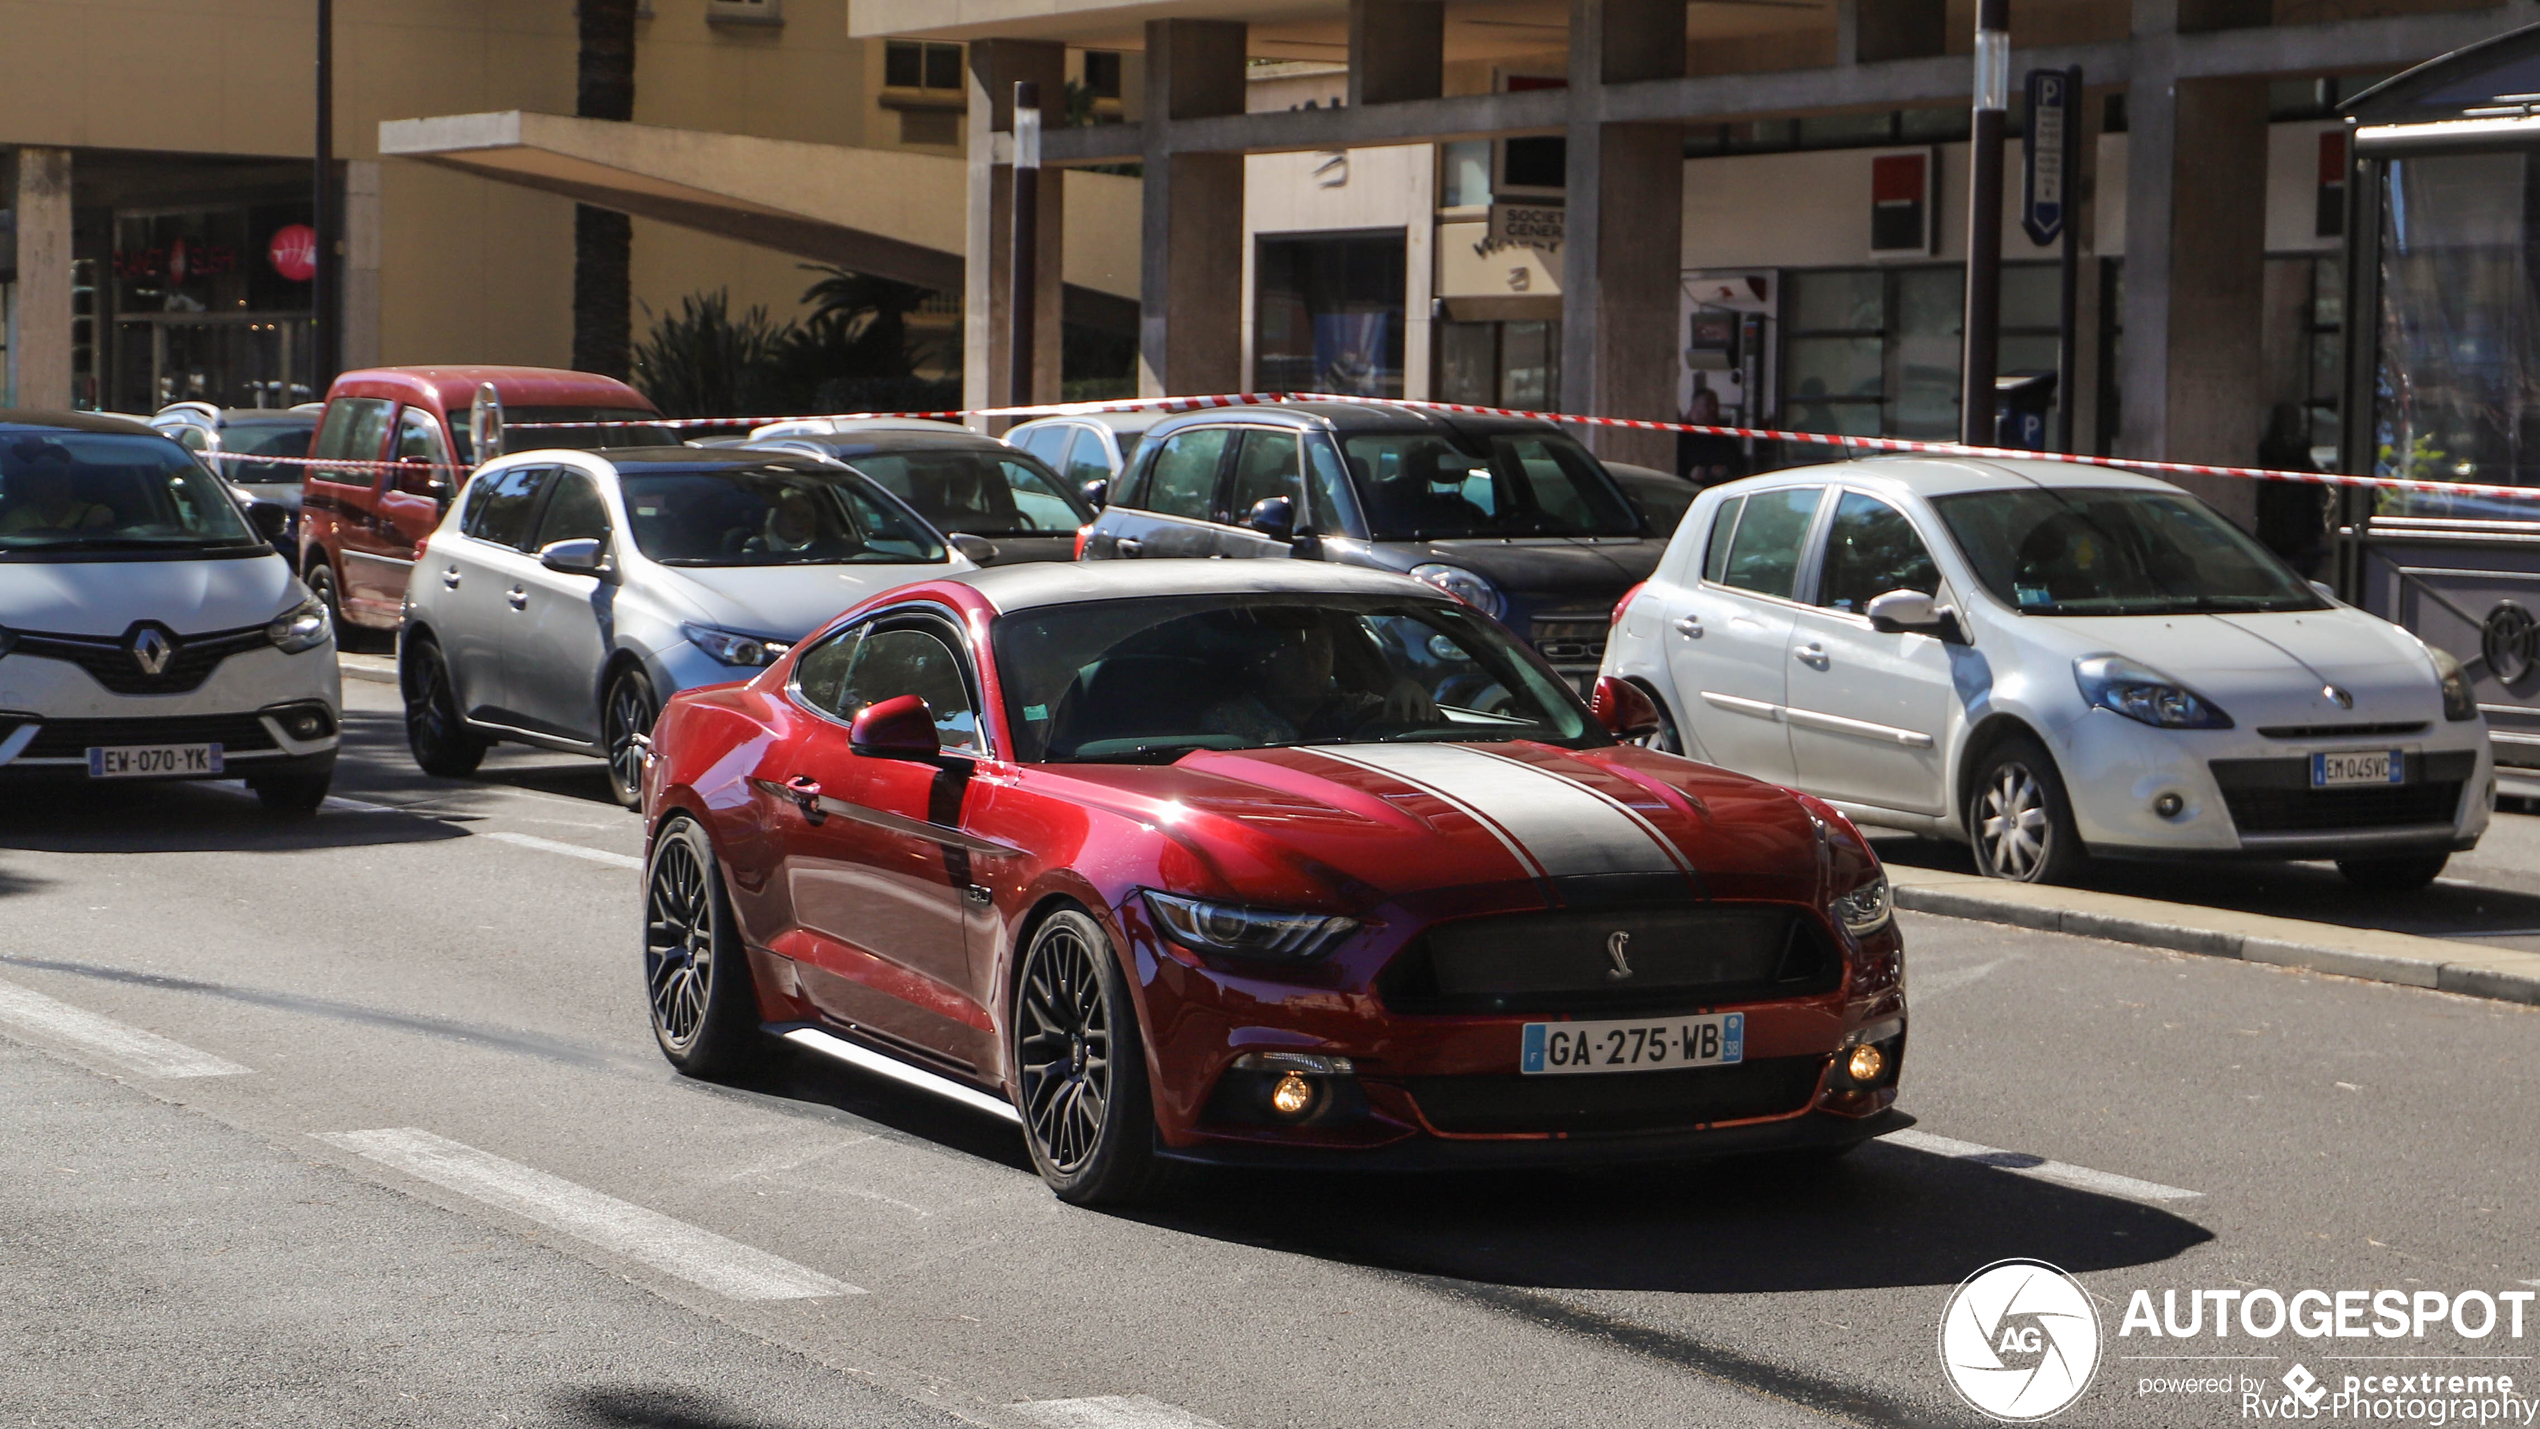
{"x": 1293, "y": 1096}
{"x": 1865, "y": 1064}
{"x": 2168, "y": 805}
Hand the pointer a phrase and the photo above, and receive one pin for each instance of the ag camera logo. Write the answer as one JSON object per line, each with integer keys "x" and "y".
{"x": 2019, "y": 1341}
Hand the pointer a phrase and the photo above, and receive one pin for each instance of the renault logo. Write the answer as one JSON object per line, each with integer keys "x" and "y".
{"x": 152, "y": 650}
{"x": 2338, "y": 697}
{"x": 1614, "y": 946}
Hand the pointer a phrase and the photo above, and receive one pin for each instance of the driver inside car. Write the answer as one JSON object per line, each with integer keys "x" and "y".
{"x": 40, "y": 498}
{"x": 1292, "y": 694}
{"x": 792, "y": 527}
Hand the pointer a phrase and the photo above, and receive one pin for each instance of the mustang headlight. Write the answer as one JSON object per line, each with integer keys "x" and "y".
{"x": 1235, "y": 932}
{"x": 2459, "y": 703}
{"x": 1464, "y": 585}
{"x": 2139, "y": 692}
{"x": 1866, "y": 909}
{"x": 732, "y": 649}
{"x": 302, "y": 627}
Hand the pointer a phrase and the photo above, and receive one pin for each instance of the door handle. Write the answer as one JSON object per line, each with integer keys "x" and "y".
{"x": 1128, "y": 546}
{"x": 1689, "y": 626}
{"x": 518, "y": 596}
{"x": 450, "y": 578}
{"x": 805, "y": 791}
{"x": 1811, "y": 653}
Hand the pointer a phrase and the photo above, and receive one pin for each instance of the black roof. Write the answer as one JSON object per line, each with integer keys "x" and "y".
{"x": 74, "y": 422}
{"x": 849, "y": 445}
{"x": 1348, "y": 418}
{"x": 688, "y": 458}
{"x": 2497, "y": 77}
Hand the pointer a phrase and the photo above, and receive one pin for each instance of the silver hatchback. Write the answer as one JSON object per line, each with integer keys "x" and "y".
{"x": 567, "y": 594}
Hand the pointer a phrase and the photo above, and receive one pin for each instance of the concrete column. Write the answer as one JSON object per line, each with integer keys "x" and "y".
{"x": 1868, "y": 31}
{"x": 1622, "y": 257}
{"x": 40, "y": 355}
{"x": 1397, "y": 50}
{"x": 1191, "y": 244}
{"x": 2088, "y": 322}
{"x": 362, "y": 203}
{"x": 986, "y": 371}
{"x": 2193, "y": 376}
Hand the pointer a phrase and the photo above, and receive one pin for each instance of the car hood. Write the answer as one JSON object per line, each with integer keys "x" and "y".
{"x": 104, "y": 598}
{"x": 2275, "y": 667}
{"x": 1539, "y": 573}
{"x": 788, "y": 602}
{"x": 1367, "y": 824}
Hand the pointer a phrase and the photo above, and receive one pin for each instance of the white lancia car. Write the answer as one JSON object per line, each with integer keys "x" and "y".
{"x": 2051, "y": 662}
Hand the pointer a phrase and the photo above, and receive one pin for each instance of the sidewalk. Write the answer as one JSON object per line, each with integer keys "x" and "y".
{"x": 378, "y": 669}
{"x": 2471, "y": 969}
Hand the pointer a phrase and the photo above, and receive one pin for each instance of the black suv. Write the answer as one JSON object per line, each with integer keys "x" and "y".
{"x": 1510, "y": 515}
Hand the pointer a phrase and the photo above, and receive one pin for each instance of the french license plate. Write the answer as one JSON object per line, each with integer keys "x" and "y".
{"x": 2378, "y": 766}
{"x": 1640, "y": 1044}
{"x": 144, "y": 761}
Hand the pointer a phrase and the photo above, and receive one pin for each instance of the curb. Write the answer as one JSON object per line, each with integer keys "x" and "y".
{"x": 384, "y": 673}
{"x": 2501, "y": 974}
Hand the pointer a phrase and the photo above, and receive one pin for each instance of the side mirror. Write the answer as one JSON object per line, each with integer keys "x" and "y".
{"x": 485, "y": 423}
{"x": 1097, "y": 493}
{"x": 978, "y": 550}
{"x": 2327, "y": 591}
{"x": 901, "y": 727}
{"x": 1625, "y": 709}
{"x": 271, "y": 522}
{"x": 1274, "y": 517}
{"x": 583, "y": 557}
{"x": 1901, "y": 611}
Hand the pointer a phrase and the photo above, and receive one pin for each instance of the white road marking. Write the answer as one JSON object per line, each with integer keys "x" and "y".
{"x": 1111, "y": 1411}
{"x": 2080, "y": 1178}
{"x": 673, "y": 1247}
{"x": 596, "y": 855}
{"x": 143, "y": 1053}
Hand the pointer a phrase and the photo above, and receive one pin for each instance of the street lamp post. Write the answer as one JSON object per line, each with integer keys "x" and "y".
{"x": 1984, "y": 223}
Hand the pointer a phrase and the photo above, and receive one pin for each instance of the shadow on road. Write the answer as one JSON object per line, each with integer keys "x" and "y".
{"x": 375, "y": 765}
{"x": 153, "y": 817}
{"x": 651, "y": 1407}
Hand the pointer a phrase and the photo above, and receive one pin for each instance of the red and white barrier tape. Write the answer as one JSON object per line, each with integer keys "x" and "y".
{"x": 346, "y": 463}
{"x": 1267, "y": 399}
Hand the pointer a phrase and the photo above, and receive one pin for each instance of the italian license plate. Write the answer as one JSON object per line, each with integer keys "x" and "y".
{"x": 144, "y": 761}
{"x": 2378, "y": 766}
{"x": 1639, "y": 1044}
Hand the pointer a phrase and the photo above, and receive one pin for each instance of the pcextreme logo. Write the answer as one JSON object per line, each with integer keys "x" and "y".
{"x": 2019, "y": 1341}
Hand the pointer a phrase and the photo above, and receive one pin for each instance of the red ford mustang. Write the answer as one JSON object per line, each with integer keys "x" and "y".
{"x": 1255, "y": 862}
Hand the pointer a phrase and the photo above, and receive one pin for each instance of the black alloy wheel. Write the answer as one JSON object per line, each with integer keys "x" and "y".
{"x": 1080, "y": 1068}
{"x": 295, "y": 794}
{"x": 442, "y": 743}
{"x": 348, "y": 636}
{"x": 696, "y": 977}
{"x": 627, "y": 713}
{"x": 2019, "y": 818}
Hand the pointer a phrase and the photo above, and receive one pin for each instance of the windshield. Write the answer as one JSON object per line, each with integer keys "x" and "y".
{"x": 1422, "y": 486}
{"x": 979, "y": 492}
{"x": 266, "y": 439}
{"x": 69, "y": 492}
{"x": 1148, "y": 681}
{"x": 2102, "y": 552}
{"x": 572, "y": 438}
{"x": 771, "y": 516}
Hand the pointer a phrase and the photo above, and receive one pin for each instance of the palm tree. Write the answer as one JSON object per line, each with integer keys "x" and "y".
{"x": 603, "y": 238}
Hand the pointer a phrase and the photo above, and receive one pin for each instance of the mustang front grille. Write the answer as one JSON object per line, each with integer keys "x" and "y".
{"x": 1616, "y": 962}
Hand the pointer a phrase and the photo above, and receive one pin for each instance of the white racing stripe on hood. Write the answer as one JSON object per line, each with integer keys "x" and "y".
{"x": 1555, "y": 826}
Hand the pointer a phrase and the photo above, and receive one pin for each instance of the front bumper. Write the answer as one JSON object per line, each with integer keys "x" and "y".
{"x": 52, "y": 712}
{"x": 2243, "y": 795}
{"x": 1812, "y": 1131}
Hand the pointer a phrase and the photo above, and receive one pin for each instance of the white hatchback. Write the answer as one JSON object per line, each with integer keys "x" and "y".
{"x": 147, "y": 631}
{"x": 2051, "y": 662}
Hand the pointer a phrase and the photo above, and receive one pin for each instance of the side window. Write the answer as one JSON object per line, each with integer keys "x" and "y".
{"x": 1333, "y": 505}
{"x": 1269, "y": 465}
{"x": 1046, "y": 442}
{"x": 499, "y": 507}
{"x": 419, "y": 440}
{"x": 190, "y": 437}
{"x": 1086, "y": 459}
{"x": 1764, "y": 554}
{"x": 355, "y": 429}
{"x": 1182, "y": 480}
{"x": 890, "y": 663}
{"x": 1871, "y": 549}
{"x": 821, "y": 674}
{"x": 1715, "y": 552}
{"x": 574, "y": 513}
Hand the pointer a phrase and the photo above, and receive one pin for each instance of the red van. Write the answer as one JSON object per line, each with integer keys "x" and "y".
{"x": 360, "y": 527}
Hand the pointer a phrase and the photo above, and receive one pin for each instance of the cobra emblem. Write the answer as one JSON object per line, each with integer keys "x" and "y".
{"x": 1615, "y": 943}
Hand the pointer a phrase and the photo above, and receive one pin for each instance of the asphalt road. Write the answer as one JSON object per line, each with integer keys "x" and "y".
{"x": 399, "y": 1151}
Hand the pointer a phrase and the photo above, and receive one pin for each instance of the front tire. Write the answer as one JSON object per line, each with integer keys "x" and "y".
{"x": 441, "y": 741}
{"x": 626, "y": 712}
{"x": 1081, "y": 1067}
{"x": 2394, "y": 875}
{"x": 2019, "y": 818}
{"x": 348, "y": 636}
{"x": 696, "y": 976}
{"x": 296, "y": 794}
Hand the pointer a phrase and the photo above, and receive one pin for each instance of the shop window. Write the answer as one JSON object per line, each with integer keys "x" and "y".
{"x": 911, "y": 64}
{"x": 1328, "y": 314}
{"x": 1877, "y": 351}
{"x": 1499, "y": 364}
{"x": 1102, "y": 73}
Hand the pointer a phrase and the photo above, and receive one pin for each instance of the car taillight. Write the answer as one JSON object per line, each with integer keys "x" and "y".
{"x": 1625, "y": 603}
{"x": 1081, "y": 533}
